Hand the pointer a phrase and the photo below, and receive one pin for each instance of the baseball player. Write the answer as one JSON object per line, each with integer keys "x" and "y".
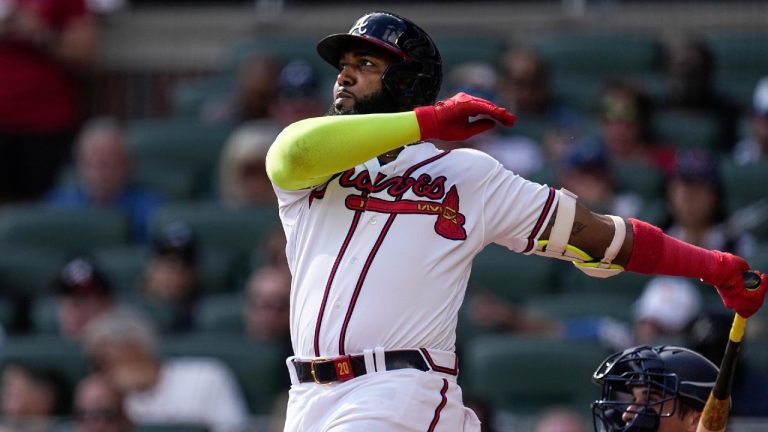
{"x": 382, "y": 228}
{"x": 652, "y": 389}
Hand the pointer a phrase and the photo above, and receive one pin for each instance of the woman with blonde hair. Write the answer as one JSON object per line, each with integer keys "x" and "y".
{"x": 243, "y": 180}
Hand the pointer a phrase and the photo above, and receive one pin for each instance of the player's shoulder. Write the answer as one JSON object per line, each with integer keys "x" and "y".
{"x": 478, "y": 158}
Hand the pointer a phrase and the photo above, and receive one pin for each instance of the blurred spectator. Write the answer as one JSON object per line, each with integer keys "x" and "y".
{"x": 266, "y": 309}
{"x": 665, "y": 309}
{"x": 176, "y": 390}
{"x": 587, "y": 172}
{"x": 31, "y": 398}
{"x": 690, "y": 77}
{"x": 99, "y": 406}
{"x": 697, "y": 206}
{"x": 516, "y": 152}
{"x": 104, "y": 168}
{"x": 83, "y": 294}
{"x": 243, "y": 180}
{"x": 298, "y": 94}
{"x": 755, "y": 147}
{"x": 252, "y": 95}
{"x": 44, "y": 47}
{"x": 708, "y": 335}
{"x": 625, "y": 113}
{"x": 525, "y": 89}
{"x": 172, "y": 275}
{"x": 561, "y": 419}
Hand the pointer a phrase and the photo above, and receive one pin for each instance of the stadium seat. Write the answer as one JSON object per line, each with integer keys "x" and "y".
{"x": 188, "y": 97}
{"x": 239, "y": 230}
{"x": 29, "y": 269}
{"x": 514, "y": 276}
{"x": 457, "y": 49}
{"x": 46, "y": 351}
{"x": 125, "y": 265}
{"x": 623, "y": 283}
{"x": 744, "y": 184}
{"x": 170, "y": 180}
{"x": 739, "y": 50}
{"x": 221, "y": 313}
{"x": 73, "y": 230}
{"x": 641, "y": 178}
{"x": 44, "y": 320}
{"x": 7, "y": 314}
{"x": 283, "y": 47}
{"x": 259, "y": 368}
{"x": 570, "y": 305}
{"x": 599, "y": 54}
{"x": 687, "y": 130}
{"x": 178, "y": 142}
{"x": 521, "y": 375}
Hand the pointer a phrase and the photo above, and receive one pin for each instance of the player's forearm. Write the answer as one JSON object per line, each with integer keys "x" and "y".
{"x": 307, "y": 152}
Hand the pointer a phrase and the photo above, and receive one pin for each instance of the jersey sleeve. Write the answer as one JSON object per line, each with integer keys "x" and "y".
{"x": 515, "y": 210}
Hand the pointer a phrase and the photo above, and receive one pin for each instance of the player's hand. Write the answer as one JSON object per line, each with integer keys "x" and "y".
{"x": 729, "y": 281}
{"x": 449, "y": 120}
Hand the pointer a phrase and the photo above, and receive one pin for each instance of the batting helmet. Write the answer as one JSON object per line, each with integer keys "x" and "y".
{"x": 671, "y": 374}
{"x": 416, "y": 80}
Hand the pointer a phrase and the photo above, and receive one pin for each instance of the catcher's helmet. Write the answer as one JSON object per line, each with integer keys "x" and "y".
{"x": 413, "y": 82}
{"x": 671, "y": 374}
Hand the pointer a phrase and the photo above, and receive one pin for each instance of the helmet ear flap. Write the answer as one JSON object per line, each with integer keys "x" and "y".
{"x": 410, "y": 84}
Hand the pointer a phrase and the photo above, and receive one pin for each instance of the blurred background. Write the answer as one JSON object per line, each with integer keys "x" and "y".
{"x": 139, "y": 233}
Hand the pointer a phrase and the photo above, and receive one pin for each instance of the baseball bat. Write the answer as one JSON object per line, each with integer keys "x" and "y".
{"x": 714, "y": 417}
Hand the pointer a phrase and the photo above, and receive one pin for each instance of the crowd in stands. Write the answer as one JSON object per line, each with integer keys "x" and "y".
{"x": 170, "y": 278}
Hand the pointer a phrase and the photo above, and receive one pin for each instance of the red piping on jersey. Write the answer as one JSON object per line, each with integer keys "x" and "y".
{"x": 439, "y": 408}
{"x": 319, "y": 192}
{"x": 372, "y": 254}
{"x": 437, "y": 368}
{"x": 335, "y": 267}
{"x": 540, "y": 222}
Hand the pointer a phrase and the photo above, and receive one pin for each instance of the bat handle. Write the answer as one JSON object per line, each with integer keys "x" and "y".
{"x": 751, "y": 280}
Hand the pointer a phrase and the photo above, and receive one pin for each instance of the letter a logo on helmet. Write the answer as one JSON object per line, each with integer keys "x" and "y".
{"x": 416, "y": 80}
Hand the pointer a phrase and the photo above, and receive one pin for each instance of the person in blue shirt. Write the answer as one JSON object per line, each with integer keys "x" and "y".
{"x": 103, "y": 165}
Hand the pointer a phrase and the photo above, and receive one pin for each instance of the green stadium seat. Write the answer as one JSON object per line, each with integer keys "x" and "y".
{"x": 178, "y": 142}
{"x": 577, "y": 90}
{"x": 188, "y": 97}
{"x": 687, "y": 130}
{"x": 457, "y": 49}
{"x": 171, "y": 181}
{"x": 742, "y": 50}
{"x": 744, "y": 184}
{"x": 237, "y": 230}
{"x": 643, "y": 179}
{"x": 48, "y": 351}
{"x": 571, "y": 305}
{"x": 599, "y": 54}
{"x": 122, "y": 265}
{"x": 282, "y": 47}
{"x": 514, "y": 276}
{"x": 29, "y": 269}
{"x": 7, "y": 314}
{"x": 44, "y": 321}
{"x": 524, "y": 375}
{"x": 221, "y": 313}
{"x": 259, "y": 368}
{"x": 74, "y": 230}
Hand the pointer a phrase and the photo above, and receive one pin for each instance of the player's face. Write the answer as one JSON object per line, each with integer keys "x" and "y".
{"x": 667, "y": 423}
{"x": 358, "y": 88}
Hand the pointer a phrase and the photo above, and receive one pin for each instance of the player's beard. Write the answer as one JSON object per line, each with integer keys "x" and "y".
{"x": 379, "y": 102}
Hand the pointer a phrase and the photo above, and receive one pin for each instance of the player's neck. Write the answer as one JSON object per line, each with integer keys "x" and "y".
{"x": 389, "y": 156}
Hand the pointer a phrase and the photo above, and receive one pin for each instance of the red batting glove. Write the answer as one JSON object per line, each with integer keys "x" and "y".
{"x": 729, "y": 281}
{"x": 448, "y": 120}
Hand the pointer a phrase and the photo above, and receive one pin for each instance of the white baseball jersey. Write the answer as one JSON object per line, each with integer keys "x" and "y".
{"x": 381, "y": 255}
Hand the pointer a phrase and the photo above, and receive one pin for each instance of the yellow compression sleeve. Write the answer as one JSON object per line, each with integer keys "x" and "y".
{"x": 308, "y": 152}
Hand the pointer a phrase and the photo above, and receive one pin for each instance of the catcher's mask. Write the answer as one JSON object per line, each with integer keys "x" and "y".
{"x": 416, "y": 80}
{"x": 667, "y": 376}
